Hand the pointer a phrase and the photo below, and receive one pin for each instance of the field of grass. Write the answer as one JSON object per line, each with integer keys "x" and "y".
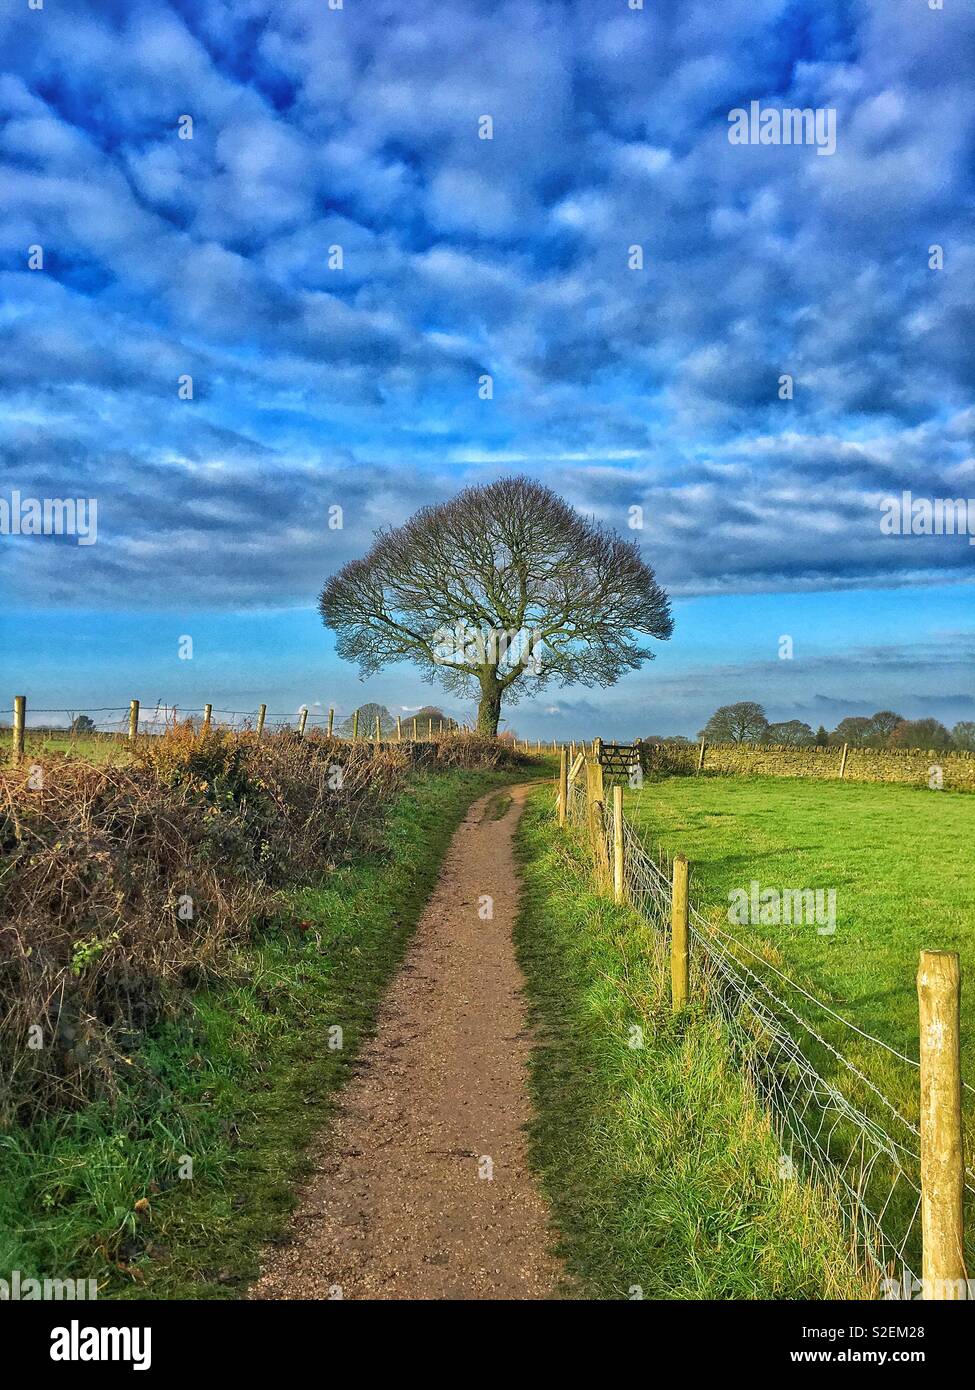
{"x": 663, "y": 1175}
{"x": 94, "y": 748}
{"x": 899, "y": 858}
{"x": 900, "y": 861}
{"x": 239, "y": 1086}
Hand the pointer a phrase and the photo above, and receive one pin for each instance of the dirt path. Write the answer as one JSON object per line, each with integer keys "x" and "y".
{"x": 421, "y": 1186}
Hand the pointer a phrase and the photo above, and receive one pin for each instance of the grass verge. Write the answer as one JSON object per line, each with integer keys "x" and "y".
{"x": 232, "y": 1093}
{"x": 662, "y": 1172}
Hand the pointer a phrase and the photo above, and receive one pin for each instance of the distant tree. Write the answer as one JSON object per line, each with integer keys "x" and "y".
{"x": 963, "y": 735}
{"x": 885, "y": 721}
{"x": 792, "y": 732}
{"x": 498, "y": 592}
{"x": 744, "y": 722}
{"x": 921, "y": 733}
{"x": 855, "y": 730}
{"x": 822, "y": 737}
{"x": 367, "y": 721}
{"x": 434, "y": 712}
{"x": 82, "y": 724}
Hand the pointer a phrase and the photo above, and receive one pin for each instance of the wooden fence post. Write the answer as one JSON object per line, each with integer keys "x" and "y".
{"x": 399, "y": 728}
{"x": 415, "y": 734}
{"x": 679, "y": 960}
{"x": 207, "y": 716}
{"x": 261, "y": 716}
{"x": 700, "y": 756}
{"x": 133, "y": 720}
{"x": 20, "y": 723}
{"x": 378, "y": 730}
{"x": 331, "y": 719}
{"x": 618, "y": 879}
{"x": 597, "y": 828}
{"x": 846, "y": 749}
{"x": 430, "y": 730}
{"x": 355, "y": 725}
{"x": 302, "y": 721}
{"x": 563, "y": 787}
{"x": 942, "y": 1149}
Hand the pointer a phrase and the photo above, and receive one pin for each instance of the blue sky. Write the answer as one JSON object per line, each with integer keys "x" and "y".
{"x": 358, "y": 387}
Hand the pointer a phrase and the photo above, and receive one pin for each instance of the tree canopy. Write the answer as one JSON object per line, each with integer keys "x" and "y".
{"x": 744, "y": 722}
{"x": 497, "y": 593}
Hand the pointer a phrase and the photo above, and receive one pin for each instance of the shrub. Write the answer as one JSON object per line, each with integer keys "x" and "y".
{"x": 123, "y": 887}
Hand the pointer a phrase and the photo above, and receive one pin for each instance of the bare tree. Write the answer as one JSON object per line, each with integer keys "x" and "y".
{"x": 792, "y": 732}
{"x": 744, "y": 722}
{"x": 499, "y": 592}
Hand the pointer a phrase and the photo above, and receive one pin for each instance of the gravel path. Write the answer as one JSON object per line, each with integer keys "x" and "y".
{"x": 421, "y": 1186}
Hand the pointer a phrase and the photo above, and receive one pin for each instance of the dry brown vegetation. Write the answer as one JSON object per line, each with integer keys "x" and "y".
{"x": 124, "y": 886}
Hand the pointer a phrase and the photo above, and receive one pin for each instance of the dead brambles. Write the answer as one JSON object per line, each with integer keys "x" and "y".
{"x": 123, "y": 887}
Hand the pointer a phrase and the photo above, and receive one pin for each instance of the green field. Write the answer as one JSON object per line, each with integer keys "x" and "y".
{"x": 900, "y": 861}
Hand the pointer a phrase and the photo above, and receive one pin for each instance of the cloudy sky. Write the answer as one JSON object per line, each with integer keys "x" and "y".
{"x": 164, "y": 258}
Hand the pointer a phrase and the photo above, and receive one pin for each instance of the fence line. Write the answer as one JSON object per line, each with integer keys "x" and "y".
{"x": 137, "y": 720}
{"x": 822, "y": 1124}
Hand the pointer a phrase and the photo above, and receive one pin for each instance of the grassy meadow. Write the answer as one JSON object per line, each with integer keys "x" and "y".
{"x": 900, "y": 861}
{"x": 899, "y": 858}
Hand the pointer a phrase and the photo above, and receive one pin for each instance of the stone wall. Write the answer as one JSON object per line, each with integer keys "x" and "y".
{"x": 911, "y": 766}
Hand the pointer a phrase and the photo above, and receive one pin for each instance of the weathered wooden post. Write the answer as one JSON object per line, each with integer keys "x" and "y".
{"x": 415, "y": 734}
{"x": 20, "y": 722}
{"x": 261, "y": 716}
{"x": 563, "y": 787}
{"x": 942, "y": 1148}
{"x": 207, "y": 716}
{"x": 378, "y": 730}
{"x": 302, "y": 721}
{"x": 355, "y": 725}
{"x": 331, "y": 719}
{"x": 133, "y": 720}
{"x": 618, "y": 879}
{"x": 846, "y": 749}
{"x": 679, "y": 958}
{"x": 700, "y": 756}
{"x": 399, "y": 728}
{"x": 597, "y": 827}
{"x": 430, "y": 730}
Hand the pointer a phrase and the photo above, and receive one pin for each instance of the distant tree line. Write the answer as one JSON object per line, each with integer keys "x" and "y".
{"x": 746, "y": 722}
{"x": 368, "y": 713}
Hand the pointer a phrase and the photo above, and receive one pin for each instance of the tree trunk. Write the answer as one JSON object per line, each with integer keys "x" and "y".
{"x": 489, "y": 709}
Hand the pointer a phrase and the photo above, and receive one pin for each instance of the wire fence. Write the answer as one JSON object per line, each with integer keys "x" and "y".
{"x": 114, "y": 721}
{"x": 833, "y": 1122}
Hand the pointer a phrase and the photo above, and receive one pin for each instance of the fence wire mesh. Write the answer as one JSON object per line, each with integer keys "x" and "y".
{"x": 833, "y": 1123}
